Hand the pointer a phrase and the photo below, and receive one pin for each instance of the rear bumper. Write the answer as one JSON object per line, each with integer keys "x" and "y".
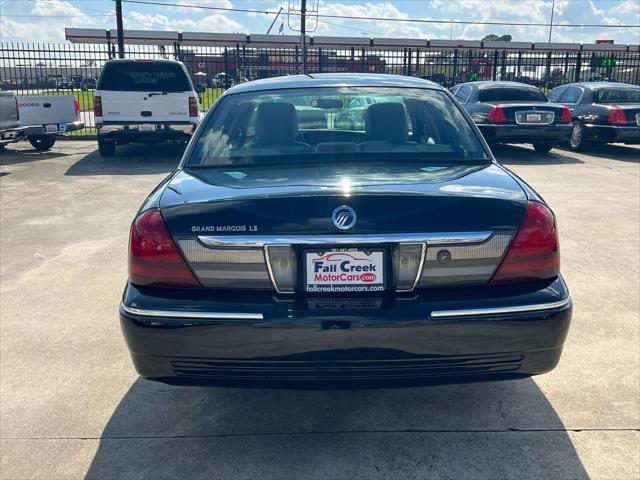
{"x": 610, "y": 134}
{"x": 12, "y": 135}
{"x": 258, "y": 340}
{"x": 37, "y": 130}
{"x": 526, "y": 133}
{"x": 131, "y": 132}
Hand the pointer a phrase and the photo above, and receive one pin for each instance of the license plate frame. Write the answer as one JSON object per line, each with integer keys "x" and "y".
{"x": 146, "y": 127}
{"x": 356, "y": 256}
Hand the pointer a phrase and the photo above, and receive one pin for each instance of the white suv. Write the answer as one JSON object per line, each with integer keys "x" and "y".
{"x": 146, "y": 101}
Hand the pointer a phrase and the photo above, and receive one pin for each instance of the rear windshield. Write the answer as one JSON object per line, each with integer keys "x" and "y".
{"x": 511, "y": 94}
{"x": 618, "y": 95}
{"x": 317, "y": 124}
{"x": 144, "y": 76}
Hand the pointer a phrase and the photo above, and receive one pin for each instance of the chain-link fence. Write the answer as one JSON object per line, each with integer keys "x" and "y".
{"x": 73, "y": 68}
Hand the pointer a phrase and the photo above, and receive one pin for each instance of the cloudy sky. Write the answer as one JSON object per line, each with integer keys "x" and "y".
{"x": 44, "y": 20}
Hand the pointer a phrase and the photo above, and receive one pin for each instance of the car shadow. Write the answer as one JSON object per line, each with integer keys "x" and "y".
{"x": 521, "y": 155}
{"x": 130, "y": 160}
{"x": 482, "y": 430}
{"x": 12, "y": 156}
{"x": 617, "y": 152}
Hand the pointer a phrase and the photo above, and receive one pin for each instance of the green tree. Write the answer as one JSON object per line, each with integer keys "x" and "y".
{"x": 499, "y": 38}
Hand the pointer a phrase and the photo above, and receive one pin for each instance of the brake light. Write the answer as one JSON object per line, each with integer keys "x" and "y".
{"x": 535, "y": 252}
{"x": 566, "y": 115}
{"x": 154, "y": 259}
{"x": 17, "y": 109}
{"x": 76, "y": 105}
{"x": 97, "y": 106}
{"x": 193, "y": 107}
{"x": 496, "y": 115}
{"x": 617, "y": 116}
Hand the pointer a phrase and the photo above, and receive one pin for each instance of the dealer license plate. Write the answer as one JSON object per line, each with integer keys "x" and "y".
{"x": 52, "y": 127}
{"x": 146, "y": 127}
{"x": 344, "y": 270}
{"x": 534, "y": 117}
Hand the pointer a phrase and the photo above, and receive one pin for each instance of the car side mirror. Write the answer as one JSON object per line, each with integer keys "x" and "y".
{"x": 200, "y": 88}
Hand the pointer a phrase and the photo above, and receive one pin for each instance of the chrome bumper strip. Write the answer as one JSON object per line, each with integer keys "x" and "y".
{"x": 262, "y": 240}
{"x": 194, "y": 315}
{"x": 477, "y": 312}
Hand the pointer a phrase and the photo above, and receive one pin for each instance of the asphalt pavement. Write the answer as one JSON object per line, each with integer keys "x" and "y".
{"x": 71, "y": 405}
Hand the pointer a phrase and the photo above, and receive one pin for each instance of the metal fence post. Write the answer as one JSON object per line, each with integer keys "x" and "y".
{"x": 503, "y": 65}
{"x": 494, "y": 70}
{"x": 226, "y": 68}
{"x": 576, "y": 73}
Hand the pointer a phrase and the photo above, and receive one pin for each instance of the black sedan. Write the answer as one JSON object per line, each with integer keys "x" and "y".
{"x": 399, "y": 254}
{"x": 603, "y": 112}
{"x": 512, "y": 112}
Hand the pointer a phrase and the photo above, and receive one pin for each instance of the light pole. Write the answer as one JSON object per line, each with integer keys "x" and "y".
{"x": 120, "y": 30}
{"x": 553, "y": 7}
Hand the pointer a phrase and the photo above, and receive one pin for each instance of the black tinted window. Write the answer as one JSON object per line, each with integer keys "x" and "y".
{"x": 618, "y": 95}
{"x": 463, "y": 93}
{"x": 311, "y": 125}
{"x": 511, "y": 94}
{"x": 572, "y": 95}
{"x": 140, "y": 76}
{"x": 555, "y": 94}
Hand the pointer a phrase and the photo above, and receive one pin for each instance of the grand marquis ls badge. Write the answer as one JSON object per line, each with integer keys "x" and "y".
{"x": 344, "y": 217}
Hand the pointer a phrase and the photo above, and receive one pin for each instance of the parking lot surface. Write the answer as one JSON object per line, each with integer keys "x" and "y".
{"x": 72, "y": 405}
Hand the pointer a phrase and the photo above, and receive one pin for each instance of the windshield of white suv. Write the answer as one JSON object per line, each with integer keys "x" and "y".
{"x": 352, "y": 123}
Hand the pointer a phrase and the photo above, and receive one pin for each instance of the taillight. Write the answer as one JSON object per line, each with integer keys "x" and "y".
{"x": 535, "y": 252}
{"x": 566, "y": 115}
{"x": 193, "y": 107}
{"x": 76, "y": 105}
{"x": 617, "y": 116}
{"x": 97, "y": 106}
{"x": 17, "y": 109}
{"x": 496, "y": 115}
{"x": 154, "y": 259}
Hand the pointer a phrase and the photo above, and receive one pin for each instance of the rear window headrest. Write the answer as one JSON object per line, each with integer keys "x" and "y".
{"x": 276, "y": 123}
{"x": 387, "y": 121}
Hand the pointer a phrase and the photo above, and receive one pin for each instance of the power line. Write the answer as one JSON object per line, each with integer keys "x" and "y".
{"x": 385, "y": 19}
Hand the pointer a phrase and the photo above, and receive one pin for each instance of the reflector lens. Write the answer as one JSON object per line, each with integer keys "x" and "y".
{"x": 97, "y": 106}
{"x": 496, "y": 115}
{"x": 535, "y": 252}
{"x": 617, "y": 116}
{"x": 154, "y": 259}
{"x": 282, "y": 265}
{"x": 193, "y": 107}
{"x": 406, "y": 262}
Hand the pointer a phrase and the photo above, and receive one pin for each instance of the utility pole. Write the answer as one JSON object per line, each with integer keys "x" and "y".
{"x": 553, "y": 7}
{"x": 120, "y": 30}
{"x": 303, "y": 46}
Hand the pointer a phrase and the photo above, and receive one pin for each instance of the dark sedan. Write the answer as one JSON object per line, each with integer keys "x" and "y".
{"x": 320, "y": 256}
{"x": 512, "y": 112}
{"x": 602, "y": 112}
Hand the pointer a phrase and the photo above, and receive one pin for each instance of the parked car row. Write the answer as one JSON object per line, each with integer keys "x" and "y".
{"x": 574, "y": 114}
{"x": 37, "y": 118}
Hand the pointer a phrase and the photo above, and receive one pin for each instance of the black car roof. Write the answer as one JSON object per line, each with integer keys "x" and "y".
{"x": 334, "y": 80}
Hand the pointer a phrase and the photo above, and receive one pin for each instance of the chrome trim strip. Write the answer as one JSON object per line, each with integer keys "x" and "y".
{"x": 267, "y": 259}
{"x": 196, "y": 315}
{"x": 474, "y": 312}
{"x": 423, "y": 255}
{"x": 262, "y": 240}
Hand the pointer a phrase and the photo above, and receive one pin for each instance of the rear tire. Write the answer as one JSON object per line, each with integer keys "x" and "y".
{"x": 107, "y": 148}
{"x": 1, "y": 147}
{"x": 543, "y": 147}
{"x": 576, "y": 141}
{"x": 42, "y": 143}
